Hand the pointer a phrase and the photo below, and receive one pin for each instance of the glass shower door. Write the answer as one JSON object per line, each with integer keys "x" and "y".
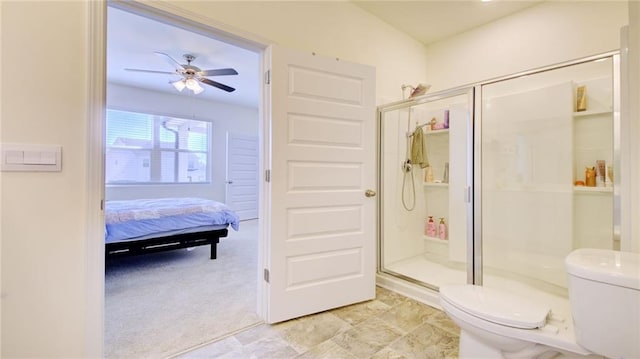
{"x": 425, "y": 203}
{"x": 543, "y": 138}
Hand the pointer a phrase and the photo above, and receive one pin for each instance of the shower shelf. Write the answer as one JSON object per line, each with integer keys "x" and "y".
{"x": 592, "y": 113}
{"x": 436, "y": 132}
{"x": 433, "y": 184}
{"x": 436, "y": 239}
{"x": 594, "y": 190}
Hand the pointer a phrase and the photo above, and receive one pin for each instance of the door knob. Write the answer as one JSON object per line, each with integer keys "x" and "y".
{"x": 229, "y": 182}
{"x": 370, "y": 193}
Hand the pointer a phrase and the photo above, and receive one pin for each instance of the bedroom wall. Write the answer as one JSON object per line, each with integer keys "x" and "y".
{"x": 224, "y": 118}
{"x": 47, "y": 309}
{"x": 546, "y": 34}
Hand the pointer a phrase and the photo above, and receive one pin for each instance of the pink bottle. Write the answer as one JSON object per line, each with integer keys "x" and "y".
{"x": 442, "y": 229}
{"x": 431, "y": 227}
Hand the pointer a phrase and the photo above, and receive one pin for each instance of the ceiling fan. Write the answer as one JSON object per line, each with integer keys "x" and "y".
{"x": 192, "y": 76}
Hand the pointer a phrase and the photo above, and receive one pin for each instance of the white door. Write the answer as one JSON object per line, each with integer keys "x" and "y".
{"x": 322, "y": 229}
{"x": 242, "y": 175}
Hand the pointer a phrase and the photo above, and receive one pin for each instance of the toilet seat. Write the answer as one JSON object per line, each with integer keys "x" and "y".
{"x": 555, "y": 335}
{"x": 496, "y": 306}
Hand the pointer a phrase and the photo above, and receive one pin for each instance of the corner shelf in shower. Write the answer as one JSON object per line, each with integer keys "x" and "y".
{"x": 593, "y": 190}
{"x": 434, "y": 184}
{"x": 436, "y": 239}
{"x": 592, "y": 113}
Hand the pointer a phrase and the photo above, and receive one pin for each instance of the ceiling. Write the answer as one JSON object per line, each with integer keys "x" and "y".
{"x": 132, "y": 41}
{"x": 430, "y": 20}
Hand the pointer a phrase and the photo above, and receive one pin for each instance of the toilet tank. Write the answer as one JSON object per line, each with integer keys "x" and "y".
{"x": 604, "y": 292}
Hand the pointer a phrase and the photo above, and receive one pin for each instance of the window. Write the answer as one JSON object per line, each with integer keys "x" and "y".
{"x": 143, "y": 148}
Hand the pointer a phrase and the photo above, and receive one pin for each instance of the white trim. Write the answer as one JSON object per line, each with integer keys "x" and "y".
{"x": 96, "y": 99}
{"x": 96, "y": 103}
{"x": 264, "y": 188}
{"x": 190, "y": 21}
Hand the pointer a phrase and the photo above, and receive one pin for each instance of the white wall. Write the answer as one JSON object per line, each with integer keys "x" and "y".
{"x": 44, "y": 61}
{"x": 44, "y": 259}
{"x": 543, "y": 35}
{"x": 224, "y": 118}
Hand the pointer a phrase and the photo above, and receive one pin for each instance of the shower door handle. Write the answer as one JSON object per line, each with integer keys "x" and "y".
{"x": 369, "y": 193}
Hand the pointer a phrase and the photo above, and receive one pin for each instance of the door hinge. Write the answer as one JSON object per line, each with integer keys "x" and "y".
{"x": 468, "y": 194}
{"x": 102, "y": 204}
{"x": 266, "y": 275}
{"x": 267, "y": 77}
{"x": 267, "y": 176}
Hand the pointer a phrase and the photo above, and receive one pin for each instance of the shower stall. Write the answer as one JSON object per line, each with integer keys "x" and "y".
{"x": 521, "y": 171}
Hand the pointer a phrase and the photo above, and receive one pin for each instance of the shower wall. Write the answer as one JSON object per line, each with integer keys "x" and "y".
{"x": 400, "y": 226}
{"x": 406, "y": 249}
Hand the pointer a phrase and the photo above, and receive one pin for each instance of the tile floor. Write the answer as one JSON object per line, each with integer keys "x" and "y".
{"x": 390, "y": 326}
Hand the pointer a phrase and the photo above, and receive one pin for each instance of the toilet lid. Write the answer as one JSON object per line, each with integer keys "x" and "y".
{"x": 496, "y": 306}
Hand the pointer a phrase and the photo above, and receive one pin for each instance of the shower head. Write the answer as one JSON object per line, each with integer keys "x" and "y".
{"x": 419, "y": 90}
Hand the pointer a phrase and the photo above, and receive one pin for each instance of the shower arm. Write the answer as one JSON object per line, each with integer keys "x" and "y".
{"x": 417, "y": 127}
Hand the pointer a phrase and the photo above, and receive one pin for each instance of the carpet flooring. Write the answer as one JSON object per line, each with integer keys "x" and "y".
{"x": 157, "y": 305}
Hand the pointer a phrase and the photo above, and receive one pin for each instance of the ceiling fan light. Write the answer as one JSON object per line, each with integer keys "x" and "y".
{"x": 179, "y": 85}
{"x": 198, "y": 89}
{"x": 191, "y": 84}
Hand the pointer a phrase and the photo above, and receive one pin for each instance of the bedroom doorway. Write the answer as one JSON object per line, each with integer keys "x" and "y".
{"x": 160, "y": 304}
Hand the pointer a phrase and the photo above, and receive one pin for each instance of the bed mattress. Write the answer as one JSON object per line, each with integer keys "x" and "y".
{"x": 149, "y": 218}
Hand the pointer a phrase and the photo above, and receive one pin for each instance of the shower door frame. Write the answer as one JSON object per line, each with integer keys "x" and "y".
{"x": 474, "y": 161}
{"x": 407, "y": 104}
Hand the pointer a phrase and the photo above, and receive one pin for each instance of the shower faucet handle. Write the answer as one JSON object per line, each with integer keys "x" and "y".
{"x": 369, "y": 193}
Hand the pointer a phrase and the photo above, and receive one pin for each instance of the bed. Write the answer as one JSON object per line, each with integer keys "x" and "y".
{"x": 142, "y": 226}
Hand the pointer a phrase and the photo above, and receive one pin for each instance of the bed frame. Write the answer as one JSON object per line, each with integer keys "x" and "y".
{"x": 161, "y": 244}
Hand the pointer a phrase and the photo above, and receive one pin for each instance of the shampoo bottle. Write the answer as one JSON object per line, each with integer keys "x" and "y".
{"x": 431, "y": 227}
{"x": 442, "y": 229}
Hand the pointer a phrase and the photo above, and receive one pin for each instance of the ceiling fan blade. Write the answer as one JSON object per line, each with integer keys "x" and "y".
{"x": 152, "y": 71}
{"x": 217, "y": 84}
{"x": 219, "y": 72}
{"x": 170, "y": 60}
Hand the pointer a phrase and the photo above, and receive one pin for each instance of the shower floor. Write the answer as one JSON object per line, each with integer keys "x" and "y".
{"x": 428, "y": 269}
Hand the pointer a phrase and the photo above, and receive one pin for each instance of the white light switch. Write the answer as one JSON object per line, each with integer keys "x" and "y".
{"x": 31, "y": 157}
{"x": 48, "y": 158}
{"x": 28, "y": 157}
{"x": 14, "y": 157}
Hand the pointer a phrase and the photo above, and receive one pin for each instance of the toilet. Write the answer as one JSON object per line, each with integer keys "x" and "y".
{"x": 604, "y": 295}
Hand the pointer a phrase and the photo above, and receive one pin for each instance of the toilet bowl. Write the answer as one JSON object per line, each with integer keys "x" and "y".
{"x": 604, "y": 294}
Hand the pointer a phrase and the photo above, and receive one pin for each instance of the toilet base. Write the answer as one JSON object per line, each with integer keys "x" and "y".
{"x": 473, "y": 348}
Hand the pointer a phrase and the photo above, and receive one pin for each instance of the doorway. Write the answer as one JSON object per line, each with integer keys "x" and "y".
{"x": 146, "y": 311}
